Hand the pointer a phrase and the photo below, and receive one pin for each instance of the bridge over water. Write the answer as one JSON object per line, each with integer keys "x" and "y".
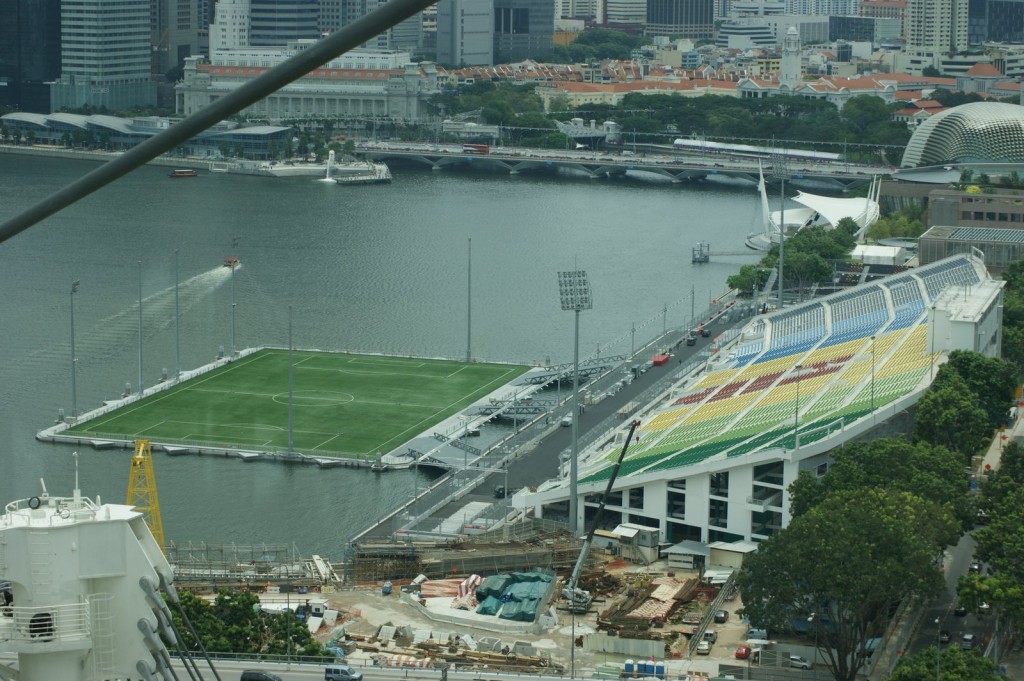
{"x": 675, "y": 167}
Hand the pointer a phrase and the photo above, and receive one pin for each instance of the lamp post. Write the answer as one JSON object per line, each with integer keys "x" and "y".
{"x": 872, "y": 377}
{"x": 814, "y": 623}
{"x": 177, "y": 319}
{"x": 938, "y": 658}
{"x": 469, "y": 302}
{"x": 931, "y": 352}
{"x": 574, "y": 291}
{"x": 140, "y": 327}
{"x": 74, "y": 360}
{"x": 796, "y": 411}
{"x": 780, "y": 171}
{"x": 234, "y": 264}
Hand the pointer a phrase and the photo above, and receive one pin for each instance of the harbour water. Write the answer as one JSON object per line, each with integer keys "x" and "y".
{"x": 376, "y": 269}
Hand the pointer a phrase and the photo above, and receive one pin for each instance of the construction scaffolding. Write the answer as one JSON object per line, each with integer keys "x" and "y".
{"x": 142, "y": 492}
{"x": 380, "y": 560}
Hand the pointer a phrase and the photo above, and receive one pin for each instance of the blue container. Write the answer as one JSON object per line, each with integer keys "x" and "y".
{"x": 629, "y": 667}
{"x": 659, "y": 669}
{"x": 647, "y": 668}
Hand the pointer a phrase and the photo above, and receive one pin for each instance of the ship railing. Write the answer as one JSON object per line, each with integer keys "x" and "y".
{"x": 45, "y": 623}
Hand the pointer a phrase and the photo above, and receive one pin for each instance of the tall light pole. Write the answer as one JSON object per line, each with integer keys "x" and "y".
{"x": 796, "y": 411}
{"x": 574, "y": 290}
{"x": 291, "y": 401}
{"x": 469, "y": 303}
{"x": 780, "y": 170}
{"x": 872, "y": 376}
{"x": 938, "y": 643}
{"x": 74, "y": 360}
{"x": 234, "y": 264}
{"x": 177, "y": 319}
{"x": 140, "y": 327}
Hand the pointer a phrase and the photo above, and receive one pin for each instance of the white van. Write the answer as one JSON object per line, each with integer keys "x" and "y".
{"x": 342, "y": 672}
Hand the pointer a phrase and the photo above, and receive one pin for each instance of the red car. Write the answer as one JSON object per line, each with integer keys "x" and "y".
{"x": 743, "y": 652}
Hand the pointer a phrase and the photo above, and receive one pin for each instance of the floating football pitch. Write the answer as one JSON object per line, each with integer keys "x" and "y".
{"x": 344, "y": 405}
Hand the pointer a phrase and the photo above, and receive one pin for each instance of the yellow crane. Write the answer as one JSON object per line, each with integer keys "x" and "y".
{"x": 142, "y": 489}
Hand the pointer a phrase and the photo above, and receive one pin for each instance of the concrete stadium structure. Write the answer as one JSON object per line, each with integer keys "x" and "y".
{"x": 716, "y": 451}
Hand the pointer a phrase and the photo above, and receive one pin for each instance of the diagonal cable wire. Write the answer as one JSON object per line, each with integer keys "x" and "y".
{"x": 284, "y": 73}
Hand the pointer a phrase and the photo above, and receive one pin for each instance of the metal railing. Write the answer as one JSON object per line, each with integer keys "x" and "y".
{"x": 44, "y": 624}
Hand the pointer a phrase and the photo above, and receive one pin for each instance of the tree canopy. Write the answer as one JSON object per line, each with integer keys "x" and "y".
{"x": 931, "y": 473}
{"x": 953, "y": 665}
{"x": 948, "y": 415}
{"x": 848, "y": 560}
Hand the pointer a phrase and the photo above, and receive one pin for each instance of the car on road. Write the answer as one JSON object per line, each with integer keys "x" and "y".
{"x": 257, "y": 675}
{"x": 721, "y": 616}
{"x": 342, "y": 672}
{"x": 799, "y": 662}
{"x": 960, "y": 610}
{"x": 944, "y": 636}
{"x": 703, "y": 648}
{"x": 975, "y": 567}
{"x": 967, "y": 642}
{"x": 742, "y": 652}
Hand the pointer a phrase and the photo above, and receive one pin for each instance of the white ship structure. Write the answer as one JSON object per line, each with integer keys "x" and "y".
{"x": 814, "y": 210}
{"x": 82, "y": 587}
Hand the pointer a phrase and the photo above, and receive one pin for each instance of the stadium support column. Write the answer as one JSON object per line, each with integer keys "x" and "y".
{"x": 574, "y": 290}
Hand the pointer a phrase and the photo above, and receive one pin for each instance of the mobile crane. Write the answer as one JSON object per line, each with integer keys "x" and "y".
{"x": 580, "y": 599}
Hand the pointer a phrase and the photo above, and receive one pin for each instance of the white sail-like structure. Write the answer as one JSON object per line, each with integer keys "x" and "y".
{"x": 814, "y": 210}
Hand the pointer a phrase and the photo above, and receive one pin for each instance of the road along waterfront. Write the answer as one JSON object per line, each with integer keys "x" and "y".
{"x": 371, "y": 269}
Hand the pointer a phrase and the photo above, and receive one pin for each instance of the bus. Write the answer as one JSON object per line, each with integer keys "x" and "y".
{"x": 476, "y": 149}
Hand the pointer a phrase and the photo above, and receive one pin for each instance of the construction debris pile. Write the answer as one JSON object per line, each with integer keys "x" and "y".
{"x": 404, "y": 646}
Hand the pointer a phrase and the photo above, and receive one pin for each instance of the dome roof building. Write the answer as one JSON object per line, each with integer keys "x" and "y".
{"x": 980, "y": 132}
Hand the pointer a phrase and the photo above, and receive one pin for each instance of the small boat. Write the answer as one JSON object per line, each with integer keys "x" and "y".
{"x": 231, "y": 262}
{"x": 184, "y": 172}
{"x": 362, "y": 173}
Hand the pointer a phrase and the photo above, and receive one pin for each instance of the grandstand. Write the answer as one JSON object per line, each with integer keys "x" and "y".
{"x": 717, "y": 450}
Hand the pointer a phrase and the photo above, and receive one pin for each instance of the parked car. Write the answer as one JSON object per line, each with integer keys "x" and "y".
{"x": 721, "y": 616}
{"x": 984, "y": 608}
{"x": 967, "y": 642}
{"x": 960, "y": 610}
{"x": 975, "y": 566}
{"x": 703, "y": 648}
{"x": 742, "y": 652}
{"x": 944, "y": 636}
{"x": 799, "y": 662}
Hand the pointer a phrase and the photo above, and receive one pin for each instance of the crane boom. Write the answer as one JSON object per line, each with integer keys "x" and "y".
{"x": 580, "y": 599}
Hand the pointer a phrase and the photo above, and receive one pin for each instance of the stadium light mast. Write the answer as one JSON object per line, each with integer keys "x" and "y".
{"x": 74, "y": 360}
{"x": 872, "y": 378}
{"x": 780, "y": 171}
{"x": 177, "y": 323}
{"x": 574, "y": 290}
{"x": 796, "y": 412}
{"x": 469, "y": 303}
{"x": 291, "y": 402}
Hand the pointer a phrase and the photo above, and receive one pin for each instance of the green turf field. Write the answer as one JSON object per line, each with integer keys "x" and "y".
{"x": 345, "y": 405}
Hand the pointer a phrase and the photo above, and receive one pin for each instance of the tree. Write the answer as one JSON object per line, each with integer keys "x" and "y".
{"x": 948, "y": 416}
{"x": 953, "y": 665}
{"x": 848, "y": 560}
{"x": 931, "y": 473}
{"x": 931, "y": 72}
{"x": 747, "y": 279}
{"x": 992, "y": 381}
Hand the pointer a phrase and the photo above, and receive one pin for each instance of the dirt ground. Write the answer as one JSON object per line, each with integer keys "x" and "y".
{"x": 367, "y": 609}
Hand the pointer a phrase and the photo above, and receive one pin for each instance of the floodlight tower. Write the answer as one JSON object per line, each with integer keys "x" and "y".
{"x": 780, "y": 170}
{"x": 574, "y": 290}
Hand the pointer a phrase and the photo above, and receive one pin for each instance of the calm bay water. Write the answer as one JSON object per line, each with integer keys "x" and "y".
{"x": 376, "y": 269}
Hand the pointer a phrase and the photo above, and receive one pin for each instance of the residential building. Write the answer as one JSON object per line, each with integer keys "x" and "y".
{"x": 581, "y": 9}
{"x": 933, "y": 26}
{"x": 29, "y": 53}
{"x": 106, "y": 50}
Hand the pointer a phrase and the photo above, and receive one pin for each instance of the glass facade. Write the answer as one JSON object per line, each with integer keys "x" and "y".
{"x": 1005, "y": 21}
{"x": 694, "y": 19}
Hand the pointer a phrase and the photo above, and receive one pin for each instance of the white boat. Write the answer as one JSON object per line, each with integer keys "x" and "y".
{"x": 362, "y": 172}
{"x": 826, "y": 211}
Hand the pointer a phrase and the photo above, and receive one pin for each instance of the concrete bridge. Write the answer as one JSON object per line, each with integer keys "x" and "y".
{"x": 600, "y": 164}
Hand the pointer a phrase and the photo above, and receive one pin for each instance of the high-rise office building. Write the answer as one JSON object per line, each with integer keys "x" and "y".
{"x": 272, "y": 23}
{"x": 230, "y": 27}
{"x": 29, "y": 53}
{"x": 465, "y": 32}
{"x": 693, "y": 19}
{"x": 106, "y": 49}
{"x": 523, "y": 29}
{"x": 625, "y": 12}
{"x": 1003, "y": 19}
{"x": 174, "y": 26}
{"x": 406, "y": 35}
